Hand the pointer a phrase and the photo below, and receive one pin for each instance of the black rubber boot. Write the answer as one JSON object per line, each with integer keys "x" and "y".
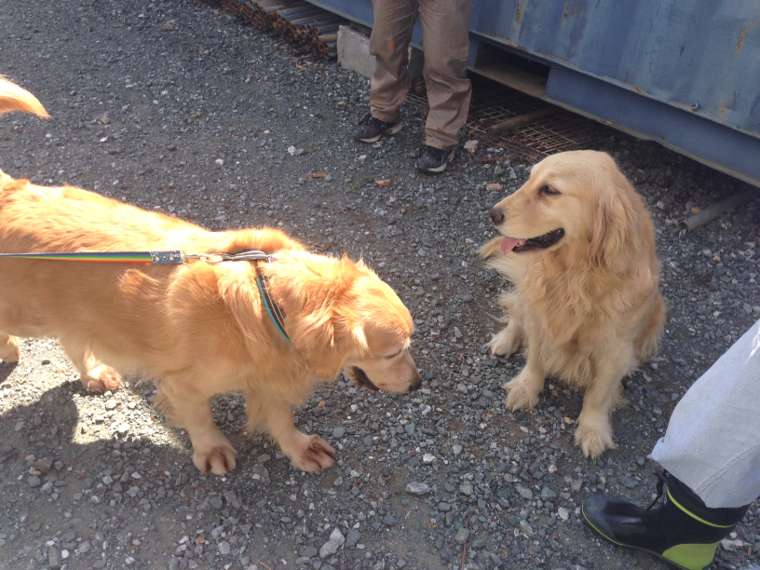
{"x": 681, "y": 530}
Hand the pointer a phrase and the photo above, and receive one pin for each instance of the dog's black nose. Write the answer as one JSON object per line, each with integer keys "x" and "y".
{"x": 416, "y": 385}
{"x": 496, "y": 215}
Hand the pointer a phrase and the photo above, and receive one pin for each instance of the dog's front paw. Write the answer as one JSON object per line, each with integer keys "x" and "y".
{"x": 219, "y": 460}
{"x": 316, "y": 454}
{"x": 593, "y": 440}
{"x": 505, "y": 342}
{"x": 523, "y": 391}
{"x": 9, "y": 349}
{"x": 101, "y": 379}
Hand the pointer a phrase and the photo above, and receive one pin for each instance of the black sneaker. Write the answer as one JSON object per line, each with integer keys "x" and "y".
{"x": 371, "y": 129}
{"x": 434, "y": 159}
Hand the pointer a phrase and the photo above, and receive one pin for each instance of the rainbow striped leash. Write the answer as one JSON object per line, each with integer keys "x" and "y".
{"x": 173, "y": 257}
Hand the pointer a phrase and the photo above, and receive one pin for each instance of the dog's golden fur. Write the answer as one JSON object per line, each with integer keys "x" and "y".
{"x": 198, "y": 329}
{"x": 587, "y": 308}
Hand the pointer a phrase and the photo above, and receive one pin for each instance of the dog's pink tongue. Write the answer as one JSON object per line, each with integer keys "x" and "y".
{"x": 508, "y": 244}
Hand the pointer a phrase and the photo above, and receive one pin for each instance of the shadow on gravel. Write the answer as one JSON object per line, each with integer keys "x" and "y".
{"x": 6, "y": 369}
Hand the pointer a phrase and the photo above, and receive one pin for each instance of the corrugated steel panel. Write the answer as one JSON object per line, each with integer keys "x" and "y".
{"x": 700, "y": 56}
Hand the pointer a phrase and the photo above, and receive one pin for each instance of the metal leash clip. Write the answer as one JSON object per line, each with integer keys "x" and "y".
{"x": 250, "y": 255}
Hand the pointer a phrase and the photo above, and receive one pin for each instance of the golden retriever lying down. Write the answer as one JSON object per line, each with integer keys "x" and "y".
{"x": 198, "y": 329}
{"x": 579, "y": 250}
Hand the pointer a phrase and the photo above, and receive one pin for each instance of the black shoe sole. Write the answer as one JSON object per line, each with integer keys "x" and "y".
{"x": 437, "y": 169}
{"x": 389, "y": 131}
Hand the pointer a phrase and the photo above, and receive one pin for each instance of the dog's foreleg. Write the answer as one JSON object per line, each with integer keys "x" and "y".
{"x": 594, "y": 432}
{"x": 508, "y": 340}
{"x": 9, "y": 349}
{"x": 306, "y": 452}
{"x": 95, "y": 375}
{"x": 525, "y": 388}
{"x": 212, "y": 452}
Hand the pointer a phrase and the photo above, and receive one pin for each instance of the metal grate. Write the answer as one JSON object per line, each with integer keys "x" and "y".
{"x": 557, "y": 133}
{"x": 295, "y": 20}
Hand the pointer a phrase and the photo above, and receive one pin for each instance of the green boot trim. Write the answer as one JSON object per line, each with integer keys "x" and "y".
{"x": 695, "y": 517}
{"x": 691, "y": 556}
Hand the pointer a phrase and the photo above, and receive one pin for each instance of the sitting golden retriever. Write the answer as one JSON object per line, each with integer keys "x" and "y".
{"x": 198, "y": 329}
{"x": 579, "y": 250}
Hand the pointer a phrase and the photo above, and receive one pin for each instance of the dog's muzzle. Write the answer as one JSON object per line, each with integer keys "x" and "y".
{"x": 361, "y": 379}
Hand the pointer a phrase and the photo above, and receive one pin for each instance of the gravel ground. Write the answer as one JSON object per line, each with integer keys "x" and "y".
{"x": 174, "y": 105}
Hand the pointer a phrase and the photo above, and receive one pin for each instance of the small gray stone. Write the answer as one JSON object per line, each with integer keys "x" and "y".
{"x": 524, "y": 492}
{"x": 34, "y": 481}
{"x": 352, "y": 538}
{"x": 415, "y": 488}
{"x": 339, "y": 432}
{"x": 331, "y": 546}
{"x": 462, "y": 535}
{"x": 54, "y": 559}
{"x": 110, "y": 404}
{"x": 466, "y": 489}
{"x": 224, "y": 548}
{"x": 547, "y": 494}
{"x": 456, "y": 449}
{"x": 308, "y": 551}
{"x": 628, "y": 482}
{"x": 43, "y": 465}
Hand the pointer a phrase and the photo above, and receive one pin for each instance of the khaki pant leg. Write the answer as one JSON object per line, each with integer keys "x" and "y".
{"x": 389, "y": 43}
{"x": 445, "y": 38}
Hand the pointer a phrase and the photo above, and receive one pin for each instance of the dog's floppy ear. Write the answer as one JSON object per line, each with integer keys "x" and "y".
{"x": 316, "y": 295}
{"x": 612, "y": 228}
{"x": 313, "y": 335}
{"x": 325, "y": 340}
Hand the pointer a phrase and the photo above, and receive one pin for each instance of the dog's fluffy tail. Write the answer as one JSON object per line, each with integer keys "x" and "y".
{"x": 13, "y": 98}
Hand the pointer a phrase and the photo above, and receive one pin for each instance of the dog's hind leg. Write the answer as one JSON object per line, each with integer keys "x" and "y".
{"x": 9, "y": 349}
{"x": 306, "y": 452}
{"x": 184, "y": 408}
{"x": 95, "y": 375}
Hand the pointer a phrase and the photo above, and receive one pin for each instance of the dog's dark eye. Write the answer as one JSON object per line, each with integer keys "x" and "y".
{"x": 547, "y": 191}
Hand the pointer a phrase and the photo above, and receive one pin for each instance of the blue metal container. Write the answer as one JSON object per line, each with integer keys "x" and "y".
{"x": 685, "y": 73}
